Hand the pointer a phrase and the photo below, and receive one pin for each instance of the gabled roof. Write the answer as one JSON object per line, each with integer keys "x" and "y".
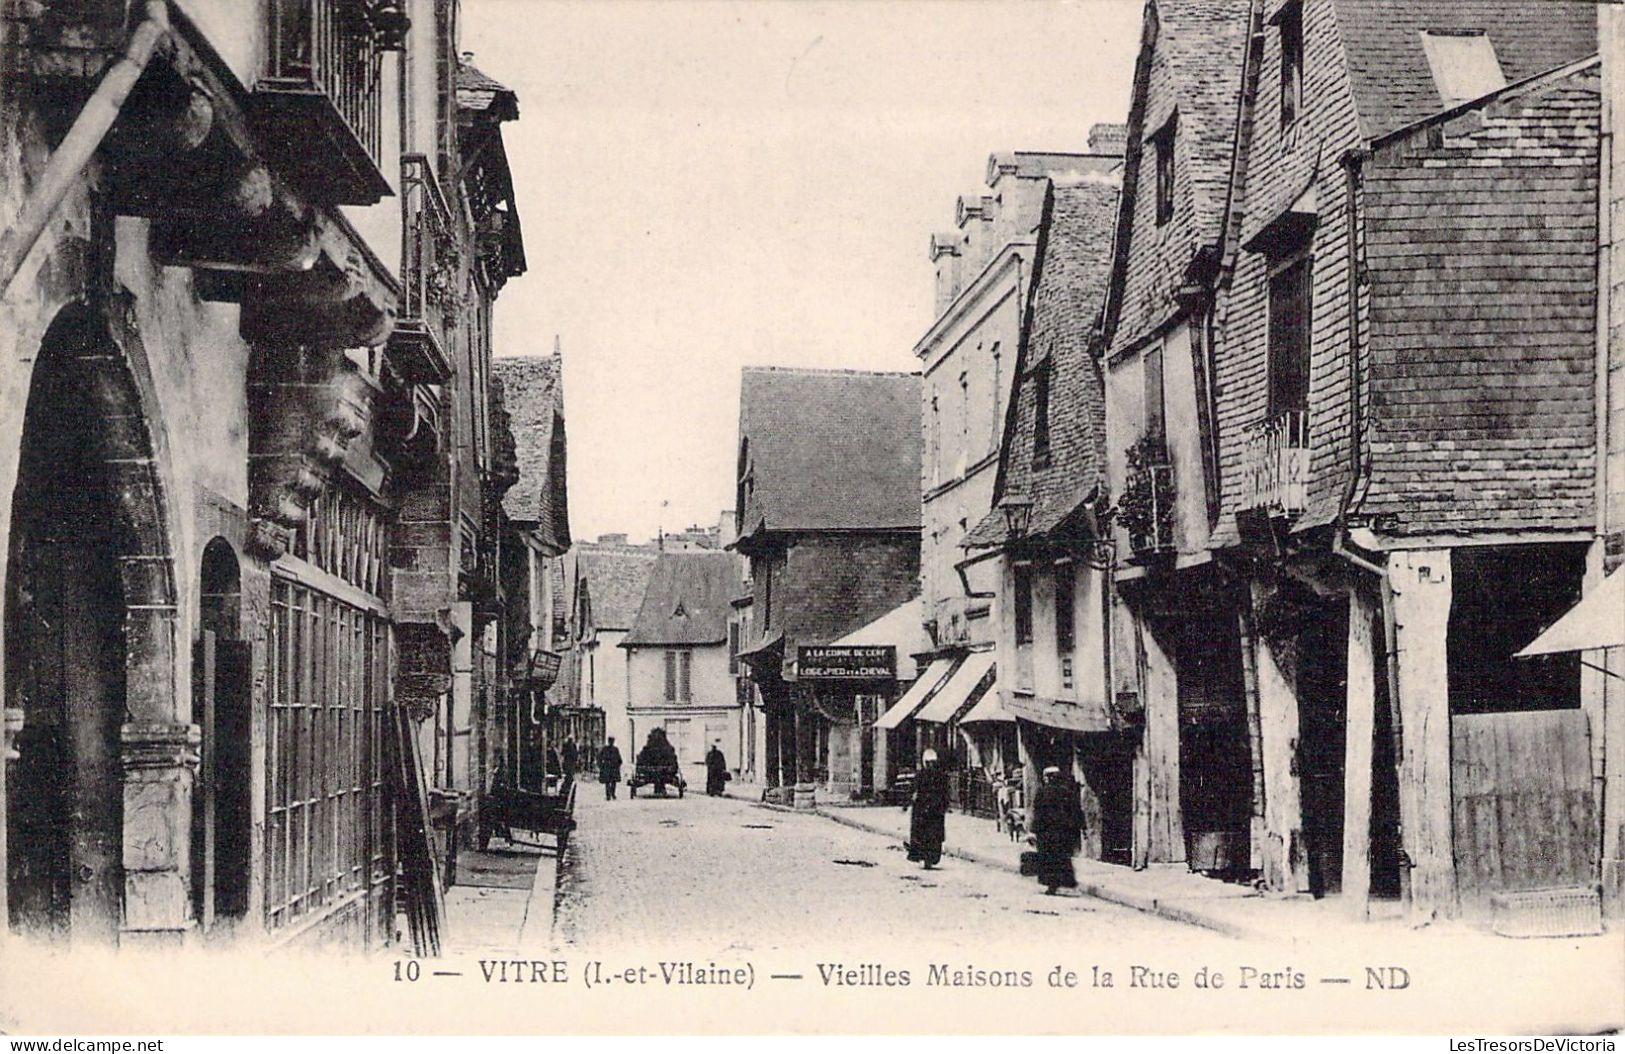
{"x": 688, "y": 599}
{"x": 828, "y": 450}
{"x": 533, "y": 394}
{"x": 614, "y": 578}
{"x": 1393, "y": 84}
{"x": 1073, "y": 260}
{"x": 476, "y": 91}
{"x": 1189, "y": 72}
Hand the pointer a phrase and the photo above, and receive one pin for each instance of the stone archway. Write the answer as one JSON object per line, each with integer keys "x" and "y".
{"x": 98, "y": 797}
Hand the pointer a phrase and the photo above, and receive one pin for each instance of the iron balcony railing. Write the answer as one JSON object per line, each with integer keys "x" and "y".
{"x": 1275, "y": 464}
{"x": 331, "y": 49}
{"x": 431, "y": 274}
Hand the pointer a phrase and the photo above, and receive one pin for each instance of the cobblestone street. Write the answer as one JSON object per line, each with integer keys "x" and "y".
{"x": 721, "y": 876}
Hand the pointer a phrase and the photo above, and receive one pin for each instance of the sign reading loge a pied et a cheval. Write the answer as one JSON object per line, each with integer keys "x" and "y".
{"x": 832, "y": 662}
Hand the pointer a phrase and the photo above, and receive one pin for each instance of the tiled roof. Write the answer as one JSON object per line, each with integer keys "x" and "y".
{"x": 1074, "y": 258}
{"x": 1483, "y": 329}
{"x": 533, "y": 394}
{"x": 830, "y": 450}
{"x": 1393, "y": 84}
{"x": 476, "y": 91}
{"x": 1189, "y": 70}
{"x": 687, "y": 600}
{"x": 615, "y": 577}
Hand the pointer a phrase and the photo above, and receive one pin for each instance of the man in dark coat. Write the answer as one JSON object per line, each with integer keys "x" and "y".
{"x": 716, "y": 771}
{"x": 571, "y": 757}
{"x": 609, "y": 768}
{"x": 1056, "y": 821}
{"x": 926, "y": 828}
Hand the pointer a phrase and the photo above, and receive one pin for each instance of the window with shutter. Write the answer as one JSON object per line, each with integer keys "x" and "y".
{"x": 685, "y": 663}
{"x": 1024, "y": 603}
{"x": 671, "y": 677}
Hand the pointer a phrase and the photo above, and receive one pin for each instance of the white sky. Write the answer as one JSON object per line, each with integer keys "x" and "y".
{"x": 710, "y": 185}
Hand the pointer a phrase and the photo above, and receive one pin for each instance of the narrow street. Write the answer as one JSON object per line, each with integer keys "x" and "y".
{"x": 719, "y": 875}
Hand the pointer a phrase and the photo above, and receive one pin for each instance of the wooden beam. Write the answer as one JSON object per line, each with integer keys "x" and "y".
{"x": 1166, "y": 833}
{"x": 1285, "y": 857}
{"x": 1421, "y": 584}
{"x": 1359, "y": 742}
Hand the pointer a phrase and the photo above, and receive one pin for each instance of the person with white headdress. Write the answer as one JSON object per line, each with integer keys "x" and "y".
{"x": 1056, "y": 822}
{"x": 927, "y": 823}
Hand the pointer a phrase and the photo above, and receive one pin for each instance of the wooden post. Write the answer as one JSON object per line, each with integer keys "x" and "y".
{"x": 1257, "y": 833}
{"x": 1358, "y": 747}
{"x": 1421, "y": 584}
{"x": 1166, "y": 844}
{"x": 1285, "y": 860}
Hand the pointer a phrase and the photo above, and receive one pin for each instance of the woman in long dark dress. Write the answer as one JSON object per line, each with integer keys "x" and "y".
{"x": 716, "y": 771}
{"x": 1057, "y": 828}
{"x": 926, "y": 828}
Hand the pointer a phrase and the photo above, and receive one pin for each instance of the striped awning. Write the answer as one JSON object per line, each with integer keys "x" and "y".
{"x": 917, "y": 694}
{"x": 961, "y": 690}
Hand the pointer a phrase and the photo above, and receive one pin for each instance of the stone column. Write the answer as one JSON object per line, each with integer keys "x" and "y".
{"x": 1421, "y": 584}
{"x": 160, "y": 761}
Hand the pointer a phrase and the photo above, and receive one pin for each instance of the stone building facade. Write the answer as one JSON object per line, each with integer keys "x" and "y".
{"x": 271, "y": 278}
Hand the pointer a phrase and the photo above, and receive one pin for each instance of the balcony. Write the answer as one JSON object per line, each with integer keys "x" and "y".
{"x": 431, "y": 276}
{"x": 1275, "y": 464}
{"x": 319, "y": 105}
{"x": 1146, "y": 508}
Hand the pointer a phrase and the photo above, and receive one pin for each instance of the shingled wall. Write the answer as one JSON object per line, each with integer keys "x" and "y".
{"x": 1483, "y": 327}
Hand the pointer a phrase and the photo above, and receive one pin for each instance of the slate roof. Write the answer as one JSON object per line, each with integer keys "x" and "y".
{"x": 688, "y": 599}
{"x": 1190, "y": 68}
{"x": 1073, "y": 261}
{"x": 533, "y": 395}
{"x": 829, "y": 450}
{"x": 614, "y": 578}
{"x": 1393, "y": 84}
{"x": 476, "y": 91}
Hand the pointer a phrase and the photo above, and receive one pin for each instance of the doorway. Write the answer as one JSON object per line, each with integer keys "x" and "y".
{"x": 86, "y": 561}
{"x": 221, "y": 822}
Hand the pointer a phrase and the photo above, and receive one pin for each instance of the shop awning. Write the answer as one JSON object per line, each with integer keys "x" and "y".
{"x": 1059, "y": 713}
{"x": 917, "y": 694}
{"x": 1597, "y": 621}
{"x": 989, "y": 709}
{"x": 960, "y": 690}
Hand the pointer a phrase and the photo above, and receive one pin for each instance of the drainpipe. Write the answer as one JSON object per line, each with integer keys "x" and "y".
{"x": 81, "y": 143}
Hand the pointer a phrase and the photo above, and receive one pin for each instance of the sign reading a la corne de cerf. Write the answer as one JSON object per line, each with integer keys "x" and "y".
{"x": 834, "y": 663}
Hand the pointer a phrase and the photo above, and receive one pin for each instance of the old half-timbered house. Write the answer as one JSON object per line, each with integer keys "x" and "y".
{"x": 1405, "y": 429}
{"x": 828, "y": 509}
{"x": 1050, "y": 705}
{"x": 240, "y": 231}
{"x": 1175, "y": 647}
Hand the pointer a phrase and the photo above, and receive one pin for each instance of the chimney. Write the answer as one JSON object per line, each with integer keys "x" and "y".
{"x": 949, "y": 261}
{"x": 1108, "y": 139}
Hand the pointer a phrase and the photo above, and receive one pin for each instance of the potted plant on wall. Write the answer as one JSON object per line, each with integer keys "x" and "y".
{"x": 1146, "y": 507}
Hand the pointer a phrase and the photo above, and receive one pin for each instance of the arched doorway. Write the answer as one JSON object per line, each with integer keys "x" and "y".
{"x": 89, "y": 601}
{"x": 221, "y": 820}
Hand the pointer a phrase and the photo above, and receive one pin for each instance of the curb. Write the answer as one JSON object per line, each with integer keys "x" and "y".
{"x": 1100, "y": 891}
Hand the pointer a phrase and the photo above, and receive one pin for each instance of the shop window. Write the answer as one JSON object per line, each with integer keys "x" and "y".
{"x": 1023, "y": 590}
{"x": 328, "y": 819}
{"x": 1291, "y": 27}
{"x": 1502, "y": 597}
{"x": 1289, "y": 338}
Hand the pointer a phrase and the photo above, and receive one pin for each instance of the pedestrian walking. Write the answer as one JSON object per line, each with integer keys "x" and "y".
{"x": 716, "y": 771}
{"x": 1056, "y": 819}
{"x": 609, "y": 768}
{"x": 571, "y": 756}
{"x": 927, "y": 823}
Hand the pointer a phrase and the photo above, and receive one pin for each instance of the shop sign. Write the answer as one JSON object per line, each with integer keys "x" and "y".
{"x": 836, "y": 663}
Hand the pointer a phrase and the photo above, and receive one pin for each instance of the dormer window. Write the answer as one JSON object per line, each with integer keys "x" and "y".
{"x": 1463, "y": 63}
{"x": 1162, "y": 143}
{"x": 1291, "y": 27}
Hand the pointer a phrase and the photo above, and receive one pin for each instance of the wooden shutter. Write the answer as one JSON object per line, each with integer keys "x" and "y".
{"x": 671, "y": 677}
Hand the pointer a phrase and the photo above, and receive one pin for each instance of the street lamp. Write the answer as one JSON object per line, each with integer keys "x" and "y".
{"x": 1018, "y": 514}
